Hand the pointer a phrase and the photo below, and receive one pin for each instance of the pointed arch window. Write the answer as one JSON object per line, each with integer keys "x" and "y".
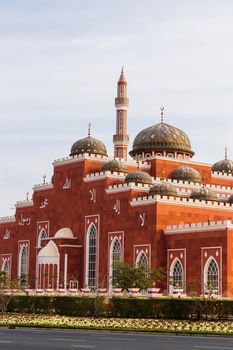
{"x": 92, "y": 257}
{"x": 177, "y": 275}
{"x": 115, "y": 259}
{"x": 23, "y": 264}
{"x": 142, "y": 260}
{"x": 6, "y": 268}
{"x": 212, "y": 275}
{"x": 41, "y": 236}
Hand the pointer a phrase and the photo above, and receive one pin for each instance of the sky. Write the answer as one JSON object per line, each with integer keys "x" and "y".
{"x": 60, "y": 61}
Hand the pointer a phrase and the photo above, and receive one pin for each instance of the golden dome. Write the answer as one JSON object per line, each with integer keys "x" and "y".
{"x": 204, "y": 193}
{"x": 138, "y": 177}
{"x": 164, "y": 189}
{"x": 186, "y": 173}
{"x": 223, "y": 166}
{"x": 161, "y": 137}
{"x": 115, "y": 165}
{"x": 88, "y": 145}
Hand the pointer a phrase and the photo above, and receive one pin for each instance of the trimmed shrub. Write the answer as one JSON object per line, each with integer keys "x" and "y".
{"x": 167, "y": 308}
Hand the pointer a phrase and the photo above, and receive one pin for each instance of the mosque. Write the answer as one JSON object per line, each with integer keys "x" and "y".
{"x": 160, "y": 208}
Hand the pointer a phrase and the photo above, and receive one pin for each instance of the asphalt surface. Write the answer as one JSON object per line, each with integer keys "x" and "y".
{"x": 23, "y": 339}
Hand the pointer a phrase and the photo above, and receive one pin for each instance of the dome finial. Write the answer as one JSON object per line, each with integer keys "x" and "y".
{"x": 225, "y": 152}
{"x": 89, "y": 129}
{"x": 162, "y": 109}
{"x": 122, "y": 70}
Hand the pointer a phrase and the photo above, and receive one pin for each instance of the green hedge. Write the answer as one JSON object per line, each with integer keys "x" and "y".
{"x": 123, "y": 307}
{"x": 70, "y": 306}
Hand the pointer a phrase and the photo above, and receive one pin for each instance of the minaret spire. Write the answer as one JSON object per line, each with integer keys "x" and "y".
{"x": 121, "y": 139}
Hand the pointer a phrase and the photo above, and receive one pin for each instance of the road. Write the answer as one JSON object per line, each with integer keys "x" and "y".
{"x": 35, "y": 339}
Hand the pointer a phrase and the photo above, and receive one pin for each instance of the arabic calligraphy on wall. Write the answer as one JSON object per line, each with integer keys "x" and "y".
{"x": 24, "y": 221}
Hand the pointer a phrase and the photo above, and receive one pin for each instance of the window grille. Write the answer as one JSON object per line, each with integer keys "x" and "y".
{"x": 116, "y": 258}
{"x": 23, "y": 264}
{"x": 42, "y": 235}
{"x": 177, "y": 275}
{"x": 142, "y": 261}
{"x": 92, "y": 257}
{"x": 212, "y": 275}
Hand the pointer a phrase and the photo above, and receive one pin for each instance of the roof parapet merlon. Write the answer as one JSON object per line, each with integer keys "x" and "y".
{"x": 103, "y": 175}
{"x": 148, "y": 200}
{"x": 7, "y": 219}
{"x": 43, "y": 186}
{"x": 127, "y": 187}
{"x": 201, "y": 226}
{"x": 221, "y": 175}
{"x": 25, "y": 203}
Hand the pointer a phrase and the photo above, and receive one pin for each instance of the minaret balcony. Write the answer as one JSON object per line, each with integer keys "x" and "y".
{"x": 121, "y": 138}
{"x": 121, "y": 101}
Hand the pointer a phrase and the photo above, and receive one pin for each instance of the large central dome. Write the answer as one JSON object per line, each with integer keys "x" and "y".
{"x": 159, "y": 138}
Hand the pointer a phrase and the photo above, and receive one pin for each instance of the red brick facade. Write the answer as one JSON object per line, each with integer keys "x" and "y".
{"x": 92, "y": 208}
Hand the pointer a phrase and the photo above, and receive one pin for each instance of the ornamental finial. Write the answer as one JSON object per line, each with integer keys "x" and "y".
{"x": 27, "y": 196}
{"x": 225, "y": 152}
{"x": 162, "y": 109}
{"x": 122, "y": 70}
{"x": 44, "y": 178}
{"x": 89, "y": 129}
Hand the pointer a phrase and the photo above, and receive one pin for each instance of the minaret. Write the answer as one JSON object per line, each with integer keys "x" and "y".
{"x": 121, "y": 139}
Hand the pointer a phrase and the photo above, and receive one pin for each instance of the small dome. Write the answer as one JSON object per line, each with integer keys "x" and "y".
{"x": 163, "y": 188}
{"x": 64, "y": 232}
{"x": 186, "y": 173}
{"x": 223, "y": 166}
{"x": 49, "y": 250}
{"x": 115, "y": 165}
{"x": 204, "y": 193}
{"x": 88, "y": 145}
{"x": 138, "y": 177}
{"x": 161, "y": 137}
{"x": 230, "y": 199}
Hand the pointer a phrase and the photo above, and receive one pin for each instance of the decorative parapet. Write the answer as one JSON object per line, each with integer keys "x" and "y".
{"x": 24, "y": 204}
{"x": 103, "y": 175}
{"x": 220, "y": 189}
{"x": 97, "y": 157}
{"x": 185, "y": 161}
{"x": 43, "y": 186}
{"x": 7, "y": 219}
{"x": 169, "y": 200}
{"x": 222, "y": 175}
{"x": 127, "y": 187}
{"x": 197, "y": 227}
{"x": 79, "y": 158}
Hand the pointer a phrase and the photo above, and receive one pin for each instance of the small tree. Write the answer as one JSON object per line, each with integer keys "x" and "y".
{"x": 4, "y": 291}
{"x": 137, "y": 276}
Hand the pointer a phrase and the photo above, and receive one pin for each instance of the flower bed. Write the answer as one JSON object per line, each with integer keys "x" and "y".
{"x": 145, "y": 325}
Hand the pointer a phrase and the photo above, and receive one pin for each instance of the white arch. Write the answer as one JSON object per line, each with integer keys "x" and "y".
{"x": 91, "y": 258}
{"x": 48, "y": 255}
{"x": 171, "y": 276}
{"x": 111, "y": 272}
{"x": 208, "y": 288}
